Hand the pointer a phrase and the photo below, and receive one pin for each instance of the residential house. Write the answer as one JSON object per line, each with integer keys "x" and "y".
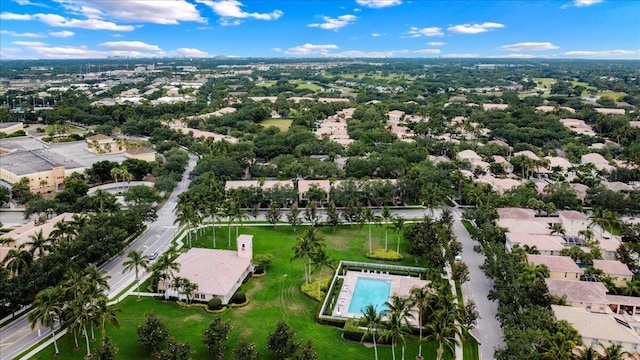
{"x": 598, "y": 329}
{"x": 560, "y": 267}
{"x": 581, "y": 294}
{"x": 618, "y": 271}
{"x": 218, "y": 273}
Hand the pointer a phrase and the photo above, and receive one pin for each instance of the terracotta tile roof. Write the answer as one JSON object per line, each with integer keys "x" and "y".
{"x": 578, "y": 291}
{"x": 612, "y": 267}
{"x": 555, "y": 263}
{"x": 603, "y": 327}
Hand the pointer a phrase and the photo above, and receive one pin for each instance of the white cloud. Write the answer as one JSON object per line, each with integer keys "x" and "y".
{"x": 427, "y": 51}
{"x": 13, "y": 16}
{"x": 465, "y": 55}
{"x": 335, "y": 24}
{"x": 232, "y": 9}
{"x": 436, "y": 43}
{"x": 62, "y": 34}
{"x": 311, "y": 49}
{"x": 276, "y": 49}
{"x": 129, "y": 46}
{"x": 9, "y": 53}
{"x": 428, "y": 31}
{"x": 229, "y": 22}
{"x": 29, "y": 43}
{"x": 365, "y": 54}
{"x": 474, "y": 28}
{"x": 514, "y": 56}
{"x": 188, "y": 52}
{"x": 27, "y": 34}
{"x": 600, "y": 53}
{"x": 377, "y": 4}
{"x": 586, "y": 2}
{"x": 28, "y": 2}
{"x": 89, "y": 24}
{"x": 168, "y": 12}
{"x": 376, "y": 35}
{"x": 529, "y": 46}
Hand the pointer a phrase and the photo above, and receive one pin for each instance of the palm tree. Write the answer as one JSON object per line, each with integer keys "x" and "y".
{"x": 613, "y": 352}
{"x": 63, "y": 230}
{"x": 421, "y": 298}
{"x": 386, "y": 216}
{"x": 18, "y": 260}
{"x": 398, "y": 226}
{"x": 321, "y": 261}
{"x": 605, "y": 219}
{"x": 561, "y": 348}
{"x": 136, "y": 261}
{"x": 165, "y": 266}
{"x": 239, "y": 216}
{"x": 184, "y": 216}
{"x": 106, "y": 313}
{"x": 431, "y": 196}
{"x": 558, "y": 229}
{"x": 47, "y": 308}
{"x": 445, "y": 329}
{"x": 368, "y": 216}
{"x": 399, "y": 311}
{"x": 126, "y": 176}
{"x": 588, "y": 353}
{"x": 371, "y": 319}
{"x": 115, "y": 174}
{"x": 38, "y": 243}
{"x": 305, "y": 248}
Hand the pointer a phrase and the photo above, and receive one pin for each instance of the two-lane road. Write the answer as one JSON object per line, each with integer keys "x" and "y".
{"x": 17, "y": 336}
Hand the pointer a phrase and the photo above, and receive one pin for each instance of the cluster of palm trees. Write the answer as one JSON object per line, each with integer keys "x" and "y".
{"x": 310, "y": 249}
{"x": 196, "y": 207}
{"x": 19, "y": 259}
{"x": 437, "y": 313}
{"x": 79, "y": 302}
{"x": 121, "y": 173}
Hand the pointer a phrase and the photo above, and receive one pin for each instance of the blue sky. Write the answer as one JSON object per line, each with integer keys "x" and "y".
{"x": 592, "y": 29}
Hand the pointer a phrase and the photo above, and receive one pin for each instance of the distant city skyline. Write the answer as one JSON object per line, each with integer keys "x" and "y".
{"x": 554, "y": 29}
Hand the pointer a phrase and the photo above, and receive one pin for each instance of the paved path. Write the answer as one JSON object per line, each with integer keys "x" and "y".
{"x": 477, "y": 289}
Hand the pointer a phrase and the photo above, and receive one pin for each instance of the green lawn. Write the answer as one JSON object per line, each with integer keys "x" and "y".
{"x": 282, "y": 124}
{"x": 268, "y": 83}
{"x": 274, "y": 297}
{"x": 304, "y": 85}
{"x": 614, "y": 95}
{"x": 545, "y": 82}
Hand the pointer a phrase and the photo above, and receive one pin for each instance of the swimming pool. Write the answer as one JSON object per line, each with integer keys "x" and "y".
{"x": 369, "y": 291}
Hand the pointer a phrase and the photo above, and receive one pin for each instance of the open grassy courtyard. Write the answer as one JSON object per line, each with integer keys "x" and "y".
{"x": 275, "y": 297}
{"x": 282, "y": 124}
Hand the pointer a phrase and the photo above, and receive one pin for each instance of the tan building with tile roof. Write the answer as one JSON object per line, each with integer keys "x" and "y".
{"x": 618, "y": 271}
{"x": 588, "y": 295}
{"x": 599, "y": 329}
{"x": 560, "y": 267}
{"x": 218, "y": 273}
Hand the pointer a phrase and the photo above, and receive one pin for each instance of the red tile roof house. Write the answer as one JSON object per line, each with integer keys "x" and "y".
{"x": 618, "y": 271}
{"x": 560, "y": 267}
{"x": 582, "y": 294}
{"x": 545, "y": 244}
{"x": 218, "y": 273}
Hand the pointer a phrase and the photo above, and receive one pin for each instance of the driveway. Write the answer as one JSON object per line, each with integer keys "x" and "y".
{"x": 477, "y": 289}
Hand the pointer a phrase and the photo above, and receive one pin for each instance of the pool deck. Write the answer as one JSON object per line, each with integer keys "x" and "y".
{"x": 400, "y": 285}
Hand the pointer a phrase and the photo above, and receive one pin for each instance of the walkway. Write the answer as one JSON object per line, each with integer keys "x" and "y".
{"x": 477, "y": 289}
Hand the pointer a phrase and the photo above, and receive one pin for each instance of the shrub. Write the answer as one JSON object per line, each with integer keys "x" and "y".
{"x": 238, "y": 298}
{"x": 313, "y": 292}
{"x": 259, "y": 269}
{"x": 381, "y": 254}
{"x": 214, "y": 304}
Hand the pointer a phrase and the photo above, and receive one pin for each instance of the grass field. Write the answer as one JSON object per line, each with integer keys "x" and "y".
{"x": 282, "y": 124}
{"x": 268, "y": 83}
{"x": 305, "y": 85}
{"x": 614, "y": 95}
{"x": 272, "y": 298}
{"x": 545, "y": 82}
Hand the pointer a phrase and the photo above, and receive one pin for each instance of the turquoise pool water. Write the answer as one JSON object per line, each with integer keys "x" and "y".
{"x": 369, "y": 291}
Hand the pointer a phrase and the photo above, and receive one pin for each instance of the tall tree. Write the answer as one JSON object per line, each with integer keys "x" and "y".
{"x": 282, "y": 340}
{"x": 47, "y": 309}
{"x": 136, "y": 261}
{"x": 399, "y": 311}
{"x": 293, "y": 217}
{"x": 398, "y": 226}
{"x": 306, "y": 247}
{"x": 215, "y": 336}
{"x": 372, "y": 319}
{"x": 421, "y": 298}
